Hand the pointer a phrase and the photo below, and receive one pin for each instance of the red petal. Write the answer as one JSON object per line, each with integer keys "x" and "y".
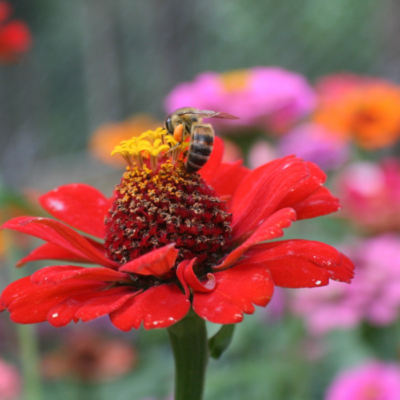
{"x": 236, "y": 291}
{"x": 263, "y": 173}
{"x": 270, "y": 229}
{"x": 158, "y": 262}
{"x": 262, "y": 191}
{"x": 49, "y": 251}
{"x": 319, "y": 203}
{"x": 14, "y": 290}
{"x": 79, "y": 205}
{"x": 33, "y": 302}
{"x": 228, "y": 177}
{"x": 59, "y": 273}
{"x": 208, "y": 171}
{"x": 180, "y": 269}
{"x": 294, "y": 272}
{"x": 319, "y": 253}
{"x": 63, "y": 313}
{"x": 61, "y": 235}
{"x": 103, "y": 305}
{"x": 302, "y": 263}
{"x": 275, "y": 185}
{"x": 306, "y": 187}
{"x": 194, "y": 282}
{"x": 158, "y": 307}
{"x": 88, "y": 306}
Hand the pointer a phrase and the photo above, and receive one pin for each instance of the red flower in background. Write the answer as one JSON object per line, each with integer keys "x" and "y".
{"x": 15, "y": 37}
{"x": 175, "y": 240}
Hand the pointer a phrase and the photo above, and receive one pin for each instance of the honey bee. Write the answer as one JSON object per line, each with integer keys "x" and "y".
{"x": 188, "y": 121}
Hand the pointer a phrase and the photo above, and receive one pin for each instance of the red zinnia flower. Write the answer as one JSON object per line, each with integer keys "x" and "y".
{"x": 15, "y": 37}
{"x": 173, "y": 240}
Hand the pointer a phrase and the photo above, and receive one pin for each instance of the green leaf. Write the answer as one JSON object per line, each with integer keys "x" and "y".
{"x": 221, "y": 340}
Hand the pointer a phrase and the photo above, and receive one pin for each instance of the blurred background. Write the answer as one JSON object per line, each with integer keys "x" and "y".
{"x": 96, "y": 61}
{"x": 316, "y": 78}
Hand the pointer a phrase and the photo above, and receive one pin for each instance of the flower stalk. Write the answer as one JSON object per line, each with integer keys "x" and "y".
{"x": 189, "y": 343}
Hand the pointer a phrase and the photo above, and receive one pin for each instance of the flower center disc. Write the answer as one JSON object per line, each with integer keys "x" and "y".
{"x": 168, "y": 205}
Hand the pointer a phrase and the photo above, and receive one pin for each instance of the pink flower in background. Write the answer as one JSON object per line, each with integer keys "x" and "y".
{"x": 333, "y": 86}
{"x": 277, "y": 306}
{"x": 232, "y": 151}
{"x": 10, "y": 382}
{"x": 265, "y": 97}
{"x": 370, "y": 195}
{"x": 374, "y": 294}
{"x": 315, "y": 143}
{"x": 373, "y": 381}
{"x": 260, "y": 153}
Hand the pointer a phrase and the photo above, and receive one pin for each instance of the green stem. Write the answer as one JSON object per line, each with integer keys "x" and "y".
{"x": 27, "y": 335}
{"x": 30, "y": 362}
{"x": 189, "y": 343}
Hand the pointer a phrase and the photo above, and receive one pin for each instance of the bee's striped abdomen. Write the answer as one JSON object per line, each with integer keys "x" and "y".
{"x": 200, "y": 148}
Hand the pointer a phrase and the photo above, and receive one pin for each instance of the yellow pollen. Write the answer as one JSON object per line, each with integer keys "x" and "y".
{"x": 150, "y": 145}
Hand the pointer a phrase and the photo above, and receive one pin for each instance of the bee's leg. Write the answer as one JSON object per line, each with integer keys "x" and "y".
{"x": 179, "y": 136}
{"x": 178, "y": 132}
{"x": 173, "y": 148}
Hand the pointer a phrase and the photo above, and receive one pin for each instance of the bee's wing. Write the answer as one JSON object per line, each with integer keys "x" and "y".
{"x": 208, "y": 114}
{"x": 224, "y": 116}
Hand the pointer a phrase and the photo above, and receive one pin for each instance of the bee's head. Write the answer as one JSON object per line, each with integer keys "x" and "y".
{"x": 168, "y": 124}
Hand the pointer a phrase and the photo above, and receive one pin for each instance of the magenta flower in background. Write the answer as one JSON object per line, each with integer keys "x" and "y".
{"x": 10, "y": 382}
{"x": 373, "y": 296}
{"x": 370, "y": 195}
{"x": 263, "y": 97}
{"x": 373, "y": 381}
{"x": 315, "y": 143}
{"x": 277, "y": 306}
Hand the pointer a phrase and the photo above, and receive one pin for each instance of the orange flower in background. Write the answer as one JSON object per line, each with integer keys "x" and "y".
{"x": 15, "y": 37}
{"x": 105, "y": 138}
{"x": 2, "y": 245}
{"x": 364, "y": 109}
